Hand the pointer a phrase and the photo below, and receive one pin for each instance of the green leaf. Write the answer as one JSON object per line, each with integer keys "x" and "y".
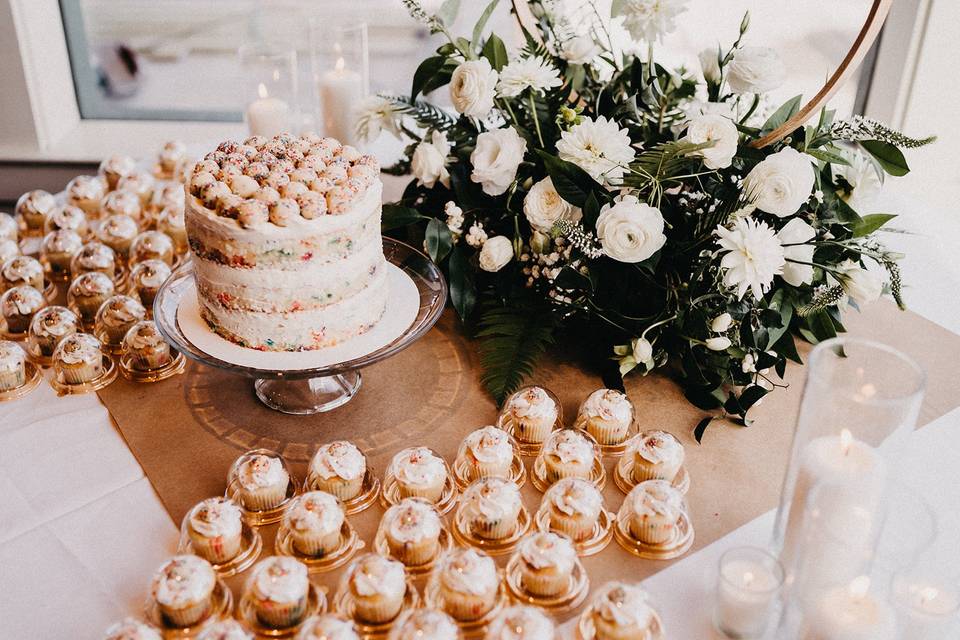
{"x": 440, "y": 78}
{"x": 424, "y": 73}
{"x": 786, "y": 111}
{"x": 825, "y": 154}
{"x": 572, "y": 183}
{"x": 701, "y": 427}
{"x": 845, "y": 213}
{"x": 438, "y": 239}
{"x": 447, "y": 13}
{"x": 870, "y": 223}
{"x": 591, "y": 210}
{"x": 496, "y": 52}
{"x": 890, "y": 158}
{"x": 482, "y": 22}
{"x": 463, "y": 290}
{"x": 511, "y": 340}
{"x": 396, "y": 216}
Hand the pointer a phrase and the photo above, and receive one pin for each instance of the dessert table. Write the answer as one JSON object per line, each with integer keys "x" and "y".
{"x": 82, "y": 529}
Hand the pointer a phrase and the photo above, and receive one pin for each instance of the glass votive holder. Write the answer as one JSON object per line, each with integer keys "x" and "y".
{"x": 850, "y": 610}
{"x": 270, "y": 91}
{"x": 545, "y": 571}
{"x": 18, "y": 305}
{"x": 140, "y": 184}
{"x": 49, "y": 326}
{"x": 530, "y": 414}
{"x": 568, "y": 453}
{"x": 422, "y": 473}
{"x": 8, "y": 228}
{"x": 425, "y": 623}
{"x": 574, "y": 507}
{"x": 315, "y": 531}
{"x": 491, "y": 516}
{"x": 214, "y": 530}
{"x": 341, "y": 70}
{"x": 18, "y": 376}
{"x": 261, "y": 482}
{"x": 413, "y": 532}
{"x": 373, "y": 592}
{"x": 114, "y": 319}
{"x": 748, "y": 592}
{"x": 152, "y": 245}
{"x": 118, "y": 231}
{"x": 31, "y": 210}
{"x": 85, "y": 295}
{"x": 466, "y": 585}
{"x": 927, "y": 603}
{"x": 146, "y": 278}
{"x": 146, "y": 356}
{"x": 80, "y": 366}
{"x": 652, "y": 455}
{"x": 620, "y": 610}
{"x": 341, "y": 469}
{"x": 95, "y": 256}
{"x": 654, "y": 523}
{"x": 57, "y": 251}
{"x": 179, "y": 616}
{"x": 86, "y": 192}
{"x": 489, "y": 452}
{"x": 279, "y": 597}
{"x": 67, "y": 217}
{"x": 608, "y": 416}
{"x": 22, "y": 270}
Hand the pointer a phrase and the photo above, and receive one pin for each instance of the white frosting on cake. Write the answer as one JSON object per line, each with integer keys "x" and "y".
{"x": 183, "y": 581}
{"x": 339, "y": 459}
{"x": 521, "y": 622}
{"x": 280, "y": 579}
{"x": 216, "y": 517}
{"x": 569, "y": 445}
{"x": 658, "y": 447}
{"x": 469, "y": 571}
{"x": 373, "y": 574}
{"x": 315, "y": 511}
{"x": 575, "y": 496}
{"x": 412, "y": 520}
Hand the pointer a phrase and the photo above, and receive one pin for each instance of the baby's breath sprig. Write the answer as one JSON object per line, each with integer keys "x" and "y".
{"x": 823, "y": 297}
{"x": 583, "y": 241}
{"x": 858, "y": 128}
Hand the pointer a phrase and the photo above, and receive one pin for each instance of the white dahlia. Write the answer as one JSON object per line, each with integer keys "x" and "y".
{"x": 599, "y": 147}
{"x": 532, "y": 72}
{"x": 752, "y": 256}
{"x": 649, "y": 20}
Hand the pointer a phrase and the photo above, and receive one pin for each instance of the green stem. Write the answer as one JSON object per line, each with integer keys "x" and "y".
{"x": 536, "y": 119}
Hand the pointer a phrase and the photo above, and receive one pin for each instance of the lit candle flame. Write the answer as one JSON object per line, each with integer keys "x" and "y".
{"x": 340, "y": 65}
{"x": 928, "y": 594}
{"x": 846, "y": 438}
{"x": 859, "y": 586}
{"x": 262, "y": 91}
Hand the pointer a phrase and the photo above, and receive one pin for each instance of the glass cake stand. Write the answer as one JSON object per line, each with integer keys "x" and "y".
{"x": 310, "y": 389}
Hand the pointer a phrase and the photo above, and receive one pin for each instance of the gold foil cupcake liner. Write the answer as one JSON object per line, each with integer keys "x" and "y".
{"x": 587, "y": 631}
{"x": 108, "y": 375}
{"x": 611, "y": 450}
{"x": 506, "y": 422}
{"x": 251, "y": 544}
{"x": 247, "y": 614}
{"x": 260, "y": 517}
{"x": 445, "y": 542}
{"x": 350, "y": 544}
{"x": 598, "y": 476}
{"x": 623, "y": 476}
{"x": 221, "y": 608}
{"x": 471, "y": 629}
{"x": 369, "y": 492}
{"x": 343, "y": 604}
{"x": 576, "y": 592}
{"x": 175, "y": 367}
{"x": 448, "y": 499}
{"x": 598, "y": 540}
{"x": 676, "y": 546}
{"x": 463, "y": 470}
{"x": 463, "y": 534}
{"x": 32, "y": 379}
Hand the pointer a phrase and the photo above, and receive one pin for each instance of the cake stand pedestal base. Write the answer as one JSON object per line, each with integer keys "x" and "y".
{"x": 308, "y": 395}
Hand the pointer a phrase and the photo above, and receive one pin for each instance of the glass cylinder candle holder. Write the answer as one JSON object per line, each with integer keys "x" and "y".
{"x": 341, "y": 63}
{"x": 269, "y": 80}
{"x": 748, "y": 592}
{"x": 927, "y": 603}
{"x": 860, "y": 403}
{"x": 851, "y": 610}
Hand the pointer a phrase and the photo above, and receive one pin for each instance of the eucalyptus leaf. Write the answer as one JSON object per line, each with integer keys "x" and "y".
{"x": 786, "y": 111}
{"x": 482, "y": 23}
{"x": 447, "y": 13}
{"x": 826, "y": 154}
{"x": 870, "y": 223}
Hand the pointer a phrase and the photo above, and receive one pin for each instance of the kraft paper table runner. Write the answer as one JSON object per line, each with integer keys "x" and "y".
{"x": 185, "y": 432}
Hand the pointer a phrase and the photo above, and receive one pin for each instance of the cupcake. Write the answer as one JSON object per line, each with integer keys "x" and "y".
{"x": 574, "y": 506}
{"x": 521, "y": 622}
{"x": 132, "y": 629}
{"x": 117, "y": 232}
{"x": 654, "y": 507}
{"x": 13, "y": 361}
{"x": 377, "y": 587}
{"x": 49, "y": 326}
{"x": 534, "y": 414}
{"x": 225, "y": 630}
{"x": 328, "y": 626}
{"x": 279, "y": 588}
{"x": 419, "y": 473}
{"x": 469, "y": 584}
{"x": 425, "y": 624}
{"x": 9, "y": 250}
{"x": 152, "y": 245}
{"x": 18, "y": 306}
{"x": 607, "y": 415}
{"x": 146, "y": 278}
{"x": 86, "y": 293}
{"x": 568, "y": 454}
{"x": 94, "y": 256}
{"x": 86, "y": 192}
{"x": 183, "y": 588}
{"x": 32, "y": 209}
{"x": 114, "y": 168}
{"x": 338, "y": 468}
{"x": 8, "y": 227}
{"x": 412, "y": 531}
{"x": 214, "y": 526}
{"x": 22, "y": 270}
{"x": 78, "y": 358}
{"x": 145, "y": 346}
{"x": 169, "y": 194}
{"x": 140, "y": 184}
{"x": 314, "y": 520}
{"x": 170, "y": 157}
{"x": 262, "y": 481}
{"x": 171, "y": 222}
{"x": 57, "y": 251}
{"x": 489, "y": 452}
{"x": 657, "y": 455}
{"x": 546, "y": 563}
{"x": 621, "y": 612}
{"x": 115, "y": 317}
{"x": 67, "y": 217}
{"x": 490, "y": 507}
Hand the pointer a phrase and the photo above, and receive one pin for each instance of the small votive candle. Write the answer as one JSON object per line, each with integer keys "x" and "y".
{"x": 927, "y": 606}
{"x": 748, "y": 589}
{"x": 850, "y": 612}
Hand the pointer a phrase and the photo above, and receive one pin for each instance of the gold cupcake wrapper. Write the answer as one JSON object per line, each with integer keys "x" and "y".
{"x": 587, "y": 631}
{"x": 677, "y": 545}
{"x": 344, "y": 604}
{"x": 221, "y": 607}
{"x": 471, "y": 629}
{"x": 316, "y": 603}
{"x": 623, "y": 476}
{"x": 465, "y": 535}
{"x": 108, "y": 375}
{"x": 369, "y": 492}
{"x": 571, "y": 597}
{"x": 539, "y": 476}
{"x": 251, "y": 545}
{"x": 348, "y": 546}
{"x": 444, "y": 543}
{"x": 600, "y": 535}
{"x": 466, "y": 473}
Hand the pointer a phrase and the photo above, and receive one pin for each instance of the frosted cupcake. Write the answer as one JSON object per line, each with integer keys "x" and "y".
{"x": 412, "y": 531}
{"x": 215, "y": 529}
{"x": 86, "y": 293}
{"x": 152, "y": 245}
{"x": 140, "y": 184}
{"x": 377, "y": 586}
{"x": 171, "y": 155}
{"x": 183, "y": 589}
{"x": 117, "y": 232}
{"x": 132, "y": 629}
{"x": 574, "y": 506}
{"x": 521, "y": 622}
{"x": 94, "y": 257}
{"x": 67, "y": 217}
{"x": 314, "y": 520}
{"x": 490, "y": 507}
{"x": 534, "y": 413}
{"x": 145, "y": 346}
{"x": 419, "y": 473}
{"x": 78, "y": 358}
{"x": 338, "y": 468}
{"x": 114, "y": 168}
{"x": 621, "y": 612}
{"x": 8, "y": 228}
{"x": 13, "y": 360}
{"x": 469, "y": 584}
{"x": 146, "y": 278}
{"x": 657, "y": 455}
{"x": 9, "y": 250}
{"x": 607, "y": 415}
{"x": 425, "y": 624}
{"x": 22, "y": 270}
{"x": 49, "y": 326}
{"x": 489, "y": 452}
{"x": 654, "y": 508}
{"x": 546, "y": 563}
{"x": 328, "y": 627}
{"x": 263, "y": 482}
{"x": 171, "y": 222}
{"x": 225, "y": 630}
{"x": 18, "y": 306}
{"x": 86, "y": 192}
{"x": 32, "y": 209}
{"x": 568, "y": 454}
{"x": 115, "y": 318}
{"x": 279, "y": 588}
{"x": 57, "y": 250}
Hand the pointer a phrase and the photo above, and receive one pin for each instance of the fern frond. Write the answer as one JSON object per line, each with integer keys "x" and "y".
{"x": 511, "y": 340}
{"x": 426, "y": 115}
{"x": 823, "y": 297}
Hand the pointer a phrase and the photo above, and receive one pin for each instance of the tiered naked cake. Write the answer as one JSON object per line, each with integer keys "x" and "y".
{"x": 285, "y": 234}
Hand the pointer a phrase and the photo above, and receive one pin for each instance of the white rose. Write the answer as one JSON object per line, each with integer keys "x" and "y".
{"x": 781, "y": 183}
{"x": 543, "y": 206}
{"x": 861, "y": 285}
{"x": 718, "y": 344}
{"x": 579, "y": 50}
{"x": 794, "y": 237}
{"x": 429, "y": 161}
{"x": 755, "y": 70}
{"x": 630, "y": 230}
{"x": 496, "y": 253}
{"x": 496, "y": 158}
{"x": 472, "y": 88}
{"x": 721, "y": 132}
{"x": 710, "y": 65}
{"x": 721, "y": 323}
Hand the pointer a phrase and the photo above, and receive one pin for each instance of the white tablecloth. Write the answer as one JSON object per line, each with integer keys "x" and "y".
{"x": 81, "y": 529}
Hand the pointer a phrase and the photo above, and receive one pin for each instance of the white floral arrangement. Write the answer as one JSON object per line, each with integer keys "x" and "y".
{"x": 582, "y": 190}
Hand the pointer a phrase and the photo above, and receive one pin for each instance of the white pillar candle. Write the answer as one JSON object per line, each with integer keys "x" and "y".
{"x": 927, "y": 611}
{"x": 268, "y": 116}
{"x": 341, "y": 91}
{"x": 746, "y": 598}
{"x": 850, "y": 613}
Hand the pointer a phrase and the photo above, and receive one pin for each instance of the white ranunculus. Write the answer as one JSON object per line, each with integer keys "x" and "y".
{"x": 755, "y": 70}
{"x": 579, "y": 49}
{"x": 648, "y": 20}
{"x": 780, "y": 183}
{"x": 429, "y": 161}
{"x": 721, "y": 343}
{"x": 752, "y": 256}
{"x": 721, "y": 132}
{"x": 599, "y": 147}
{"x": 543, "y": 206}
{"x": 793, "y": 237}
{"x": 721, "y": 323}
{"x": 473, "y": 88}
{"x": 861, "y": 285}
{"x": 496, "y": 253}
{"x": 496, "y": 158}
{"x": 630, "y": 230}
{"x": 710, "y": 64}
{"x": 864, "y": 178}
{"x": 533, "y": 72}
